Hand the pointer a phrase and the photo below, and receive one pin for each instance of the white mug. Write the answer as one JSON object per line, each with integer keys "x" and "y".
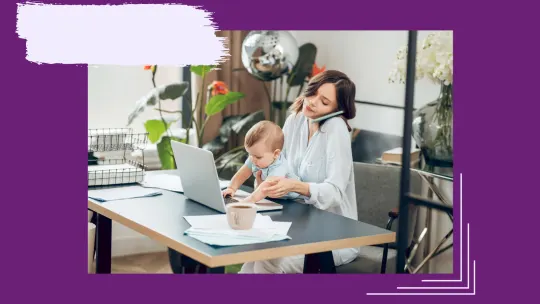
{"x": 241, "y": 216}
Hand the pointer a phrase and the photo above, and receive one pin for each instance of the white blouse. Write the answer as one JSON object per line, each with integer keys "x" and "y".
{"x": 326, "y": 164}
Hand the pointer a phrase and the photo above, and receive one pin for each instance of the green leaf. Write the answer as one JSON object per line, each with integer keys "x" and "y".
{"x": 242, "y": 126}
{"x": 173, "y": 91}
{"x": 217, "y": 103}
{"x": 201, "y": 70}
{"x": 230, "y": 162}
{"x": 304, "y": 65}
{"x": 165, "y": 152}
{"x": 155, "y": 129}
{"x": 169, "y": 91}
{"x": 234, "y": 97}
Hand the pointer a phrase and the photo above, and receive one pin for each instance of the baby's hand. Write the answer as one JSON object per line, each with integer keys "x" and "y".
{"x": 229, "y": 191}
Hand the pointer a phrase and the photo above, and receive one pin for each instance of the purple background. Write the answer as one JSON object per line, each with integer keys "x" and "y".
{"x": 44, "y": 215}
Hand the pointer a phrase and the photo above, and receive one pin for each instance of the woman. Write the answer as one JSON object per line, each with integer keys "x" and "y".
{"x": 320, "y": 154}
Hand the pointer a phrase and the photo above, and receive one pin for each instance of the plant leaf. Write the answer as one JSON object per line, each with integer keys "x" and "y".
{"x": 201, "y": 70}
{"x": 155, "y": 129}
{"x": 233, "y": 97}
{"x": 168, "y": 91}
{"x": 244, "y": 124}
{"x": 173, "y": 91}
{"x": 230, "y": 163}
{"x": 164, "y": 149}
{"x": 217, "y": 103}
{"x": 304, "y": 65}
{"x": 215, "y": 146}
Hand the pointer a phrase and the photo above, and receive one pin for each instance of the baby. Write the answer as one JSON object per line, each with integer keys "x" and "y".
{"x": 264, "y": 143}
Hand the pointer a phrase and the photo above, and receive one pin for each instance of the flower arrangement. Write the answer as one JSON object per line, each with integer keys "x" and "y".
{"x": 434, "y": 60}
{"x": 432, "y": 126}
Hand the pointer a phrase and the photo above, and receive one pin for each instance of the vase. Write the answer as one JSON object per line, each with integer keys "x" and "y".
{"x": 433, "y": 129}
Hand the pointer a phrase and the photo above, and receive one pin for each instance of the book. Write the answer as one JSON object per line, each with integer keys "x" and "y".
{"x": 394, "y": 155}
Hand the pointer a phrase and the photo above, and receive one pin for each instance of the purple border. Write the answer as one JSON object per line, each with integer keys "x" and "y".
{"x": 46, "y": 103}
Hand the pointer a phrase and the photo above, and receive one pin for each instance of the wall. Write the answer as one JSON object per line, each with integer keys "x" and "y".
{"x": 367, "y": 57}
{"x": 112, "y": 93}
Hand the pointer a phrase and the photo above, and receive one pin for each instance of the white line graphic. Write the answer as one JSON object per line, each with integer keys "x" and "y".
{"x": 451, "y": 287}
{"x": 460, "y": 236}
{"x": 425, "y": 288}
{"x": 473, "y": 293}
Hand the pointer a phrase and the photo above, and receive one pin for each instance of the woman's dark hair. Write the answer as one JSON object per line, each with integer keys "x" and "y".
{"x": 345, "y": 93}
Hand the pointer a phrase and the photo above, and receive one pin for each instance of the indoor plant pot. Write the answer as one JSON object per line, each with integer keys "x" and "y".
{"x": 433, "y": 129}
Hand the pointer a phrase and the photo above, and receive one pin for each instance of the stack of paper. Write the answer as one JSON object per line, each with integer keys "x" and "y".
{"x": 165, "y": 181}
{"x": 170, "y": 182}
{"x": 214, "y": 230}
{"x": 114, "y": 194}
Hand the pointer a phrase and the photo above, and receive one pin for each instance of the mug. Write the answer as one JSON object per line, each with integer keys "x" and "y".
{"x": 241, "y": 216}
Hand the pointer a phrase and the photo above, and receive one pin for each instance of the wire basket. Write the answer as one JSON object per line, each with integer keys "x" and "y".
{"x": 114, "y": 171}
{"x": 119, "y": 139}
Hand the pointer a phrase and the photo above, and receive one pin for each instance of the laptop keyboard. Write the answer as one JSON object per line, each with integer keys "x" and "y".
{"x": 229, "y": 200}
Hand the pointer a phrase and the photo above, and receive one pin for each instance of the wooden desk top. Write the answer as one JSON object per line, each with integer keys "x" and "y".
{"x": 312, "y": 230}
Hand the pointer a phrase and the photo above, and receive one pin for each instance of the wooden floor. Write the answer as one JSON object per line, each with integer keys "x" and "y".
{"x": 149, "y": 263}
{"x": 141, "y": 263}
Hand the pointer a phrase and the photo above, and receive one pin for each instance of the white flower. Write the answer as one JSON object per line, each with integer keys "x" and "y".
{"x": 434, "y": 59}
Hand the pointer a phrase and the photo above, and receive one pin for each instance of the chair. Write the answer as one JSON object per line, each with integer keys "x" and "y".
{"x": 367, "y": 145}
{"x": 377, "y": 199}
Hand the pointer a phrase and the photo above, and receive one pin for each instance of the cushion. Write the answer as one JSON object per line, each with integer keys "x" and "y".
{"x": 369, "y": 261}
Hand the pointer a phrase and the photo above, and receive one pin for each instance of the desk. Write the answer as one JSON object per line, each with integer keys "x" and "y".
{"x": 161, "y": 218}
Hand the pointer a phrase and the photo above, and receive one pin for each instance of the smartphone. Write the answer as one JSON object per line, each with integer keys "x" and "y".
{"x": 327, "y": 116}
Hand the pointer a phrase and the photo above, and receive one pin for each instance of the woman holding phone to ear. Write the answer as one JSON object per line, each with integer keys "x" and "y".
{"x": 320, "y": 153}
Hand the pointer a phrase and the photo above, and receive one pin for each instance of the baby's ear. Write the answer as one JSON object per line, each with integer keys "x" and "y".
{"x": 276, "y": 152}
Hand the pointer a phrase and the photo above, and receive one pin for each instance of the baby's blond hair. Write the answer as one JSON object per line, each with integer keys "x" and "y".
{"x": 267, "y": 131}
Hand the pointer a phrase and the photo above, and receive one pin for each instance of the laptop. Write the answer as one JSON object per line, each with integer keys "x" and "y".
{"x": 200, "y": 181}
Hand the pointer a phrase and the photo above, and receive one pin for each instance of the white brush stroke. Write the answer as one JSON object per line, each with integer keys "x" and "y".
{"x": 129, "y": 34}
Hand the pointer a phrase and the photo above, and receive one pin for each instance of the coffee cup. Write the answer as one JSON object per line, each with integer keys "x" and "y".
{"x": 241, "y": 216}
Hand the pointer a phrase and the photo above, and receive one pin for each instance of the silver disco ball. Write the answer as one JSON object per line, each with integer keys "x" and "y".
{"x": 268, "y": 55}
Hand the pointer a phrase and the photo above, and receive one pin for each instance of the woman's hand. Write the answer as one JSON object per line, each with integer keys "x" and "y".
{"x": 278, "y": 187}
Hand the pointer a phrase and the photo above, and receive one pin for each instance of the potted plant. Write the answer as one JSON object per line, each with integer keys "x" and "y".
{"x": 159, "y": 130}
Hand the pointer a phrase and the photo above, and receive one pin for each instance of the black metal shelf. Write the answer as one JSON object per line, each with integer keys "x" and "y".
{"x": 405, "y": 198}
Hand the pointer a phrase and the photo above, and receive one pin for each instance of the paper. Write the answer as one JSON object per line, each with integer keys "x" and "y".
{"x": 170, "y": 182}
{"x": 113, "y": 194}
{"x": 219, "y": 221}
{"x": 163, "y": 181}
{"x": 214, "y": 230}
{"x": 219, "y": 240}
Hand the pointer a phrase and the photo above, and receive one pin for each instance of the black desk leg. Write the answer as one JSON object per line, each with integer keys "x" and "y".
{"x": 182, "y": 264}
{"x": 103, "y": 244}
{"x": 322, "y": 262}
{"x": 216, "y": 270}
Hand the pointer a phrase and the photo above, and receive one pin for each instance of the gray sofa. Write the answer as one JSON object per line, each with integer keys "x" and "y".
{"x": 377, "y": 198}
